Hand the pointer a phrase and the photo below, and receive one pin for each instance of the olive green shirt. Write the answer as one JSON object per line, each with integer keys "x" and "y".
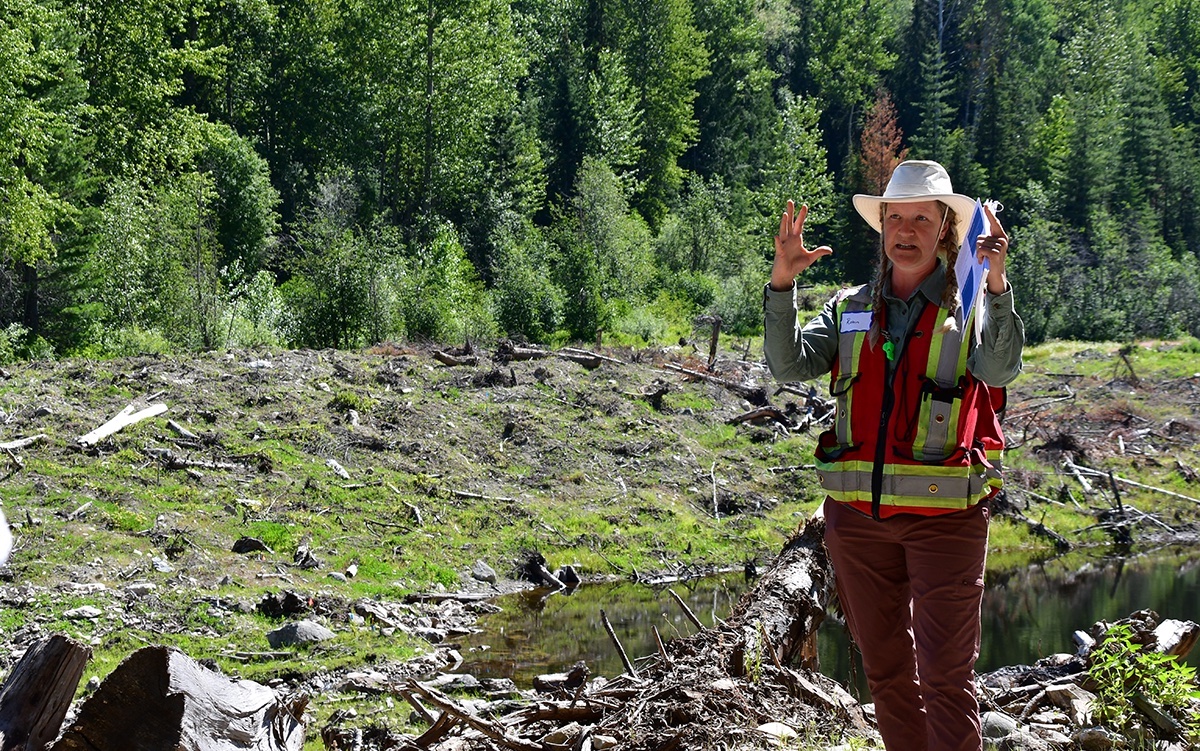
{"x": 802, "y": 353}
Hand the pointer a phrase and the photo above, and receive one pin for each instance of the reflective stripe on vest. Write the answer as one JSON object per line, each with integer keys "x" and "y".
{"x": 938, "y": 466}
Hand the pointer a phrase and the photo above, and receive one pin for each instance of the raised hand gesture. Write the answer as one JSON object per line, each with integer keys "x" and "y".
{"x": 992, "y": 247}
{"x": 791, "y": 257}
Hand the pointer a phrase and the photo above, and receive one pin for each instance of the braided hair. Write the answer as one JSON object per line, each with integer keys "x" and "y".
{"x": 947, "y": 249}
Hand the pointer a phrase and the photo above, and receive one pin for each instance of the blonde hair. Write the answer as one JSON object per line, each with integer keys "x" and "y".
{"x": 947, "y": 248}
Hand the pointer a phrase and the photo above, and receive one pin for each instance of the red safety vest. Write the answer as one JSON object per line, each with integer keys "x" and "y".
{"x": 927, "y": 440}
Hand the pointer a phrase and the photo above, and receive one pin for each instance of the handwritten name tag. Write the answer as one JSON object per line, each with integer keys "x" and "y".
{"x": 855, "y": 321}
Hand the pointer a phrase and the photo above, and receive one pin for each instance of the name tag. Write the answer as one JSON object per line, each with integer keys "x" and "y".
{"x": 855, "y": 321}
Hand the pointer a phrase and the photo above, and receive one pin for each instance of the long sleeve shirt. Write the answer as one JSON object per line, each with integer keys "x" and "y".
{"x": 802, "y": 353}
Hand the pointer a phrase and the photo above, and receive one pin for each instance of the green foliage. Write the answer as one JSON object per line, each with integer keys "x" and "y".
{"x": 1121, "y": 669}
{"x": 526, "y": 300}
{"x": 445, "y": 170}
{"x": 438, "y": 294}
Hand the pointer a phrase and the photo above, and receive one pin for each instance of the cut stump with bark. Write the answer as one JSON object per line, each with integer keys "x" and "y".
{"x": 159, "y": 698}
{"x": 38, "y": 692}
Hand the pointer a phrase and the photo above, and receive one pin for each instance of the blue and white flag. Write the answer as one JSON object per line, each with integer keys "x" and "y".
{"x": 971, "y": 273}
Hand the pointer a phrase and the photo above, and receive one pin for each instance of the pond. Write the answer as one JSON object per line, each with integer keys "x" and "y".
{"x": 1028, "y": 613}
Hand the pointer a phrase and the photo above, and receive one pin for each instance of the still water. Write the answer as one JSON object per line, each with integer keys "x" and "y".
{"x": 1028, "y": 613}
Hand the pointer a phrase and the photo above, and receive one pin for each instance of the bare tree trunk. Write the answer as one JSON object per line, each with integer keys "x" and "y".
{"x": 159, "y": 698}
{"x": 38, "y": 692}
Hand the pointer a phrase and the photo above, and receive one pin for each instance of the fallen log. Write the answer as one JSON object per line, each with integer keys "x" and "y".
{"x": 756, "y": 395}
{"x": 159, "y": 698}
{"x": 124, "y": 419}
{"x": 789, "y": 601}
{"x": 37, "y": 693}
{"x": 21, "y": 443}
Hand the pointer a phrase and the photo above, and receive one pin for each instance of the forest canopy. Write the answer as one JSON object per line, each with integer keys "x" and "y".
{"x": 197, "y": 174}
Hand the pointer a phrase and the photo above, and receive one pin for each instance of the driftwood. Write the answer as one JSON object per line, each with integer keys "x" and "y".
{"x": 508, "y": 351}
{"x": 581, "y": 355}
{"x": 159, "y": 698}
{"x": 21, "y": 443}
{"x": 761, "y": 414}
{"x": 446, "y": 358}
{"x": 756, "y": 395}
{"x": 38, "y": 692}
{"x": 124, "y": 419}
{"x": 1081, "y": 470}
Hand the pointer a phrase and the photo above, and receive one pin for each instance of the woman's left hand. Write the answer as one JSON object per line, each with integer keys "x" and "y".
{"x": 993, "y": 248}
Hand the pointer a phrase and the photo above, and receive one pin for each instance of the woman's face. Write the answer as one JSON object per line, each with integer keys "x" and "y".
{"x": 910, "y": 236}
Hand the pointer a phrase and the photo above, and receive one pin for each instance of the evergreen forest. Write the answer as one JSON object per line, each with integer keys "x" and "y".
{"x": 185, "y": 175}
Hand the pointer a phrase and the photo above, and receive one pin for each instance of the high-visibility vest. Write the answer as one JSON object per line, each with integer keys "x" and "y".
{"x": 925, "y": 439}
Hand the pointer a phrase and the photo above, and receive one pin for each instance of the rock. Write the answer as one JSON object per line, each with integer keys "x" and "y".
{"x": 781, "y": 734}
{"x": 454, "y": 682}
{"x": 997, "y": 725}
{"x": 603, "y": 742}
{"x": 1073, "y": 700}
{"x": 367, "y": 682}
{"x": 337, "y": 576}
{"x": 300, "y": 632}
{"x": 162, "y": 565}
{"x": 723, "y": 684}
{"x": 484, "y": 572}
{"x": 500, "y": 688}
{"x": 375, "y": 612}
{"x": 431, "y": 635}
{"x": 251, "y": 545}
{"x": 141, "y": 589}
{"x": 83, "y": 613}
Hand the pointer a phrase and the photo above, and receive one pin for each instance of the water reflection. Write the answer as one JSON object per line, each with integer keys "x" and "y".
{"x": 1027, "y": 613}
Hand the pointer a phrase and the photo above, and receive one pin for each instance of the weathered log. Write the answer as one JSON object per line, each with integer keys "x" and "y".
{"x": 124, "y": 419}
{"x": 761, "y": 414}
{"x": 1176, "y": 638}
{"x": 159, "y": 698}
{"x": 37, "y": 693}
{"x": 21, "y": 443}
{"x": 789, "y": 600}
{"x": 756, "y": 395}
{"x": 446, "y": 358}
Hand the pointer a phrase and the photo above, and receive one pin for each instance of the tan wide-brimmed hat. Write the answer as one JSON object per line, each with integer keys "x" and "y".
{"x": 918, "y": 180}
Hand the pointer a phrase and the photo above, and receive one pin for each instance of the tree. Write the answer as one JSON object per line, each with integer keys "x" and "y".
{"x": 666, "y": 56}
{"x": 880, "y": 145}
{"x": 735, "y": 111}
{"x": 43, "y": 181}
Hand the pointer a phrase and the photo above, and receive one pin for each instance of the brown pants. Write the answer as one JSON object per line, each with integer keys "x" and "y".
{"x": 911, "y": 588}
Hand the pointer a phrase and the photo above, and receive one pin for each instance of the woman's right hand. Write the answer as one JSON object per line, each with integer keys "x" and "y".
{"x": 791, "y": 257}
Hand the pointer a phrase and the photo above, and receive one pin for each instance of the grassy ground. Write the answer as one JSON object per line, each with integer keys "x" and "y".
{"x": 409, "y": 471}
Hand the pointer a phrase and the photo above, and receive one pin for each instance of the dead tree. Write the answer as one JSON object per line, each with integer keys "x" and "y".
{"x": 159, "y": 698}
{"x": 37, "y": 693}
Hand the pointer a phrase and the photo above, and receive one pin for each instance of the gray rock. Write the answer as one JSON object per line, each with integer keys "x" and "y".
{"x": 997, "y": 725}
{"x": 484, "y": 572}
{"x": 82, "y": 613}
{"x": 141, "y": 589}
{"x": 300, "y": 632}
{"x": 431, "y": 635}
{"x": 1094, "y": 739}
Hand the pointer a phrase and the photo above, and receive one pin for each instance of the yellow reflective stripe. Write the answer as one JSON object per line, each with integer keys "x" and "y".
{"x": 949, "y": 487}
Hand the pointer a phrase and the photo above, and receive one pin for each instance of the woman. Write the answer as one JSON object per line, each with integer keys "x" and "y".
{"x": 914, "y": 452}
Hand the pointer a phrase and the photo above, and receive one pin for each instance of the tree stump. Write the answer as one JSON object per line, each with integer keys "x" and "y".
{"x": 159, "y": 698}
{"x": 38, "y": 692}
